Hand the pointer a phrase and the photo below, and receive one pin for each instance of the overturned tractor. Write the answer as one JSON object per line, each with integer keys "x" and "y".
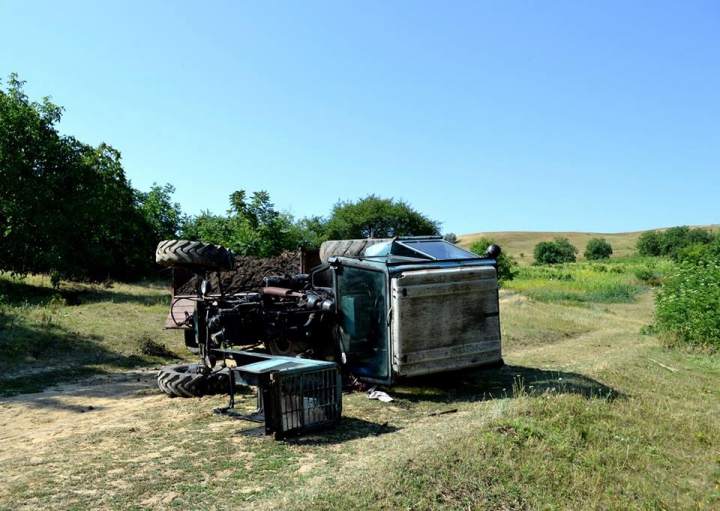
{"x": 376, "y": 310}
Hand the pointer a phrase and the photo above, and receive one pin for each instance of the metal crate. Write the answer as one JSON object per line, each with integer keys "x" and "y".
{"x": 294, "y": 396}
{"x": 302, "y": 400}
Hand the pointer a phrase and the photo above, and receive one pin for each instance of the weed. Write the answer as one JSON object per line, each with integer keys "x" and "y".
{"x": 688, "y": 305}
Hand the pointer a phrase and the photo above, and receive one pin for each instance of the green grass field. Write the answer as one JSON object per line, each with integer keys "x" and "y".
{"x": 588, "y": 413}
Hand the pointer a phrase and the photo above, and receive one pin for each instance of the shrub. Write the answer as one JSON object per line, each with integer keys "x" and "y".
{"x": 696, "y": 254}
{"x": 507, "y": 267}
{"x": 598, "y": 248}
{"x": 648, "y": 244}
{"x": 687, "y": 306}
{"x": 672, "y": 241}
{"x": 555, "y": 252}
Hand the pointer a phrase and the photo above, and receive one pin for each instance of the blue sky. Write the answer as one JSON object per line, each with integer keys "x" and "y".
{"x": 486, "y": 116}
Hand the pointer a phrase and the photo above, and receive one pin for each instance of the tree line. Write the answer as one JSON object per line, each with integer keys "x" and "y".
{"x": 67, "y": 208}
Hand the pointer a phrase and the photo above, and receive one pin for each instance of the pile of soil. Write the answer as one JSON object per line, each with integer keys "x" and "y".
{"x": 248, "y": 274}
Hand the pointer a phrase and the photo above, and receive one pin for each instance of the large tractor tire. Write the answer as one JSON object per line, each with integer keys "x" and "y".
{"x": 346, "y": 248}
{"x": 194, "y": 253}
{"x": 184, "y": 380}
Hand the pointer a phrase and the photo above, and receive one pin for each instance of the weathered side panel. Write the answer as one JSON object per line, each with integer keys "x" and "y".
{"x": 444, "y": 320}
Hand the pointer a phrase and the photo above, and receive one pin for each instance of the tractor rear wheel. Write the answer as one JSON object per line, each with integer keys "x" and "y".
{"x": 194, "y": 253}
{"x": 184, "y": 380}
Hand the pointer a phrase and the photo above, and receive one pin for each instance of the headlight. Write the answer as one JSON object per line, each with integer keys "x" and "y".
{"x": 205, "y": 287}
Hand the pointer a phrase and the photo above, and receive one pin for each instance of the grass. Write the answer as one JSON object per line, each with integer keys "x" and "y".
{"x": 612, "y": 281}
{"x": 587, "y": 414}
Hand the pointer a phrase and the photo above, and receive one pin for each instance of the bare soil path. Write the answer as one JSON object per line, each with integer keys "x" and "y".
{"x": 30, "y": 423}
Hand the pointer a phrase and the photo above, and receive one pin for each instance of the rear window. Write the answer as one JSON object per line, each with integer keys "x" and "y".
{"x": 439, "y": 249}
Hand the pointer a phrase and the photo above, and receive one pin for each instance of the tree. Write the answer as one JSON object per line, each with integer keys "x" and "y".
{"x": 207, "y": 227}
{"x": 672, "y": 241}
{"x": 66, "y": 208}
{"x": 162, "y": 215}
{"x": 507, "y": 267}
{"x": 648, "y": 243}
{"x": 555, "y": 252}
{"x": 252, "y": 227}
{"x": 598, "y": 248}
{"x": 311, "y": 231}
{"x": 374, "y": 217}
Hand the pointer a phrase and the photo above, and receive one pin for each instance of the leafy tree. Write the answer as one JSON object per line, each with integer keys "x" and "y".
{"x": 374, "y": 217}
{"x": 310, "y": 232}
{"x": 649, "y": 243}
{"x": 253, "y": 227}
{"x": 66, "y": 208}
{"x": 162, "y": 215}
{"x": 555, "y": 252}
{"x": 672, "y": 241}
{"x": 257, "y": 228}
{"x": 507, "y": 267}
{"x": 700, "y": 236}
{"x": 598, "y": 248}
{"x": 207, "y": 227}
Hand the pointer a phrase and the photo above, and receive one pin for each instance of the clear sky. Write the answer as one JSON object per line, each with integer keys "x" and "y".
{"x": 486, "y": 116}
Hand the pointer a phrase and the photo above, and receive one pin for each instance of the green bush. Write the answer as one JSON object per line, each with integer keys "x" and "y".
{"x": 688, "y": 305}
{"x": 648, "y": 243}
{"x": 555, "y": 252}
{"x": 673, "y": 241}
{"x": 598, "y": 248}
{"x": 507, "y": 267}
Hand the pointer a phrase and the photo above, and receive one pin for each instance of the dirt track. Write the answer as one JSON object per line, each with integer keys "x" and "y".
{"x": 33, "y": 422}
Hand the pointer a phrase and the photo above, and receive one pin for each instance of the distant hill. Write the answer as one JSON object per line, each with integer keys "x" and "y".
{"x": 520, "y": 244}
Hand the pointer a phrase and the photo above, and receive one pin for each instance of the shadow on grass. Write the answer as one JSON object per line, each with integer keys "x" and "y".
{"x": 18, "y": 292}
{"x": 505, "y": 382}
{"x": 41, "y": 353}
{"x": 349, "y": 428}
{"x": 111, "y": 296}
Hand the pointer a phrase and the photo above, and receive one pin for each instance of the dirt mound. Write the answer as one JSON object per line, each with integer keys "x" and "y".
{"x": 248, "y": 273}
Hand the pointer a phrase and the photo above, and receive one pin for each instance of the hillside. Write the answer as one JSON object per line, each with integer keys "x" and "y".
{"x": 520, "y": 244}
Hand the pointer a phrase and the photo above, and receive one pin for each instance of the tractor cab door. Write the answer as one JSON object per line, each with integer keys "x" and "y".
{"x": 362, "y": 302}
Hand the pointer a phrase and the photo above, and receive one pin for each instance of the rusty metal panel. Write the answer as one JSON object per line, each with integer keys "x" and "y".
{"x": 309, "y": 259}
{"x": 443, "y": 320}
{"x": 178, "y": 311}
